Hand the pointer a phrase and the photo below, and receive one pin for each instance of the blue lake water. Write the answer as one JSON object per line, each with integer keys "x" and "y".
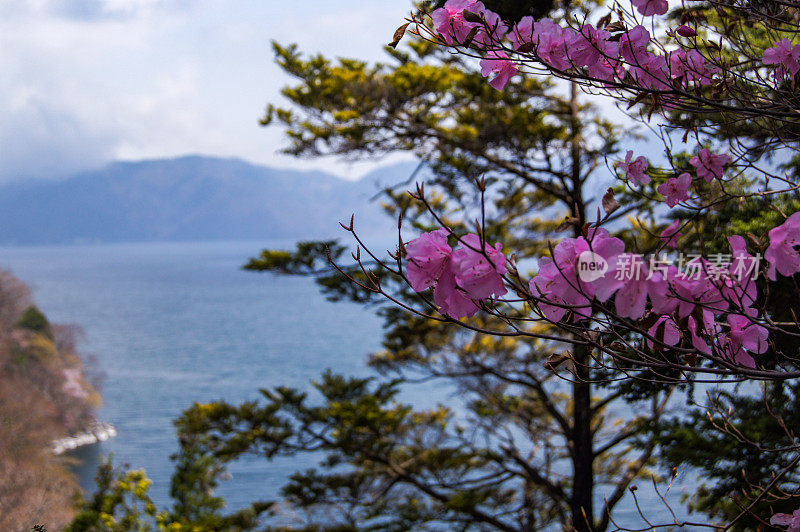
{"x": 171, "y": 324}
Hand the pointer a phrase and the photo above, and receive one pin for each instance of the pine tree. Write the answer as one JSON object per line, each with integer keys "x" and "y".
{"x": 540, "y": 445}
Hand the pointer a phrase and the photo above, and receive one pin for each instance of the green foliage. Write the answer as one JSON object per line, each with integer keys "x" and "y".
{"x": 736, "y": 439}
{"x": 439, "y": 107}
{"x": 537, "y": 148}
{"x": 529, "y": 450}
{"x": 34, "y": 320}
{"x": 386, "y": 467}
{"x": 740, "y": 447}
{"x": 120, "y": 504}
{"x": 310, "y": 257}
{"x": 196, "y": 476}
{"x": 741, "y": 109}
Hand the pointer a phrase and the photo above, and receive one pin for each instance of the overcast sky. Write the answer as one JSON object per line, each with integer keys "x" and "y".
{"x": 84, "y": 82}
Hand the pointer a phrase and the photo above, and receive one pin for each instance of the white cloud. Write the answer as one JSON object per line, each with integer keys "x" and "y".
{"x": 89, "y": 9}
{"x": 88, "y": 81}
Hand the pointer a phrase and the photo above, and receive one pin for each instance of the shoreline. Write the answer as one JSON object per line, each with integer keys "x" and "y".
{"x": 97, "y": 432}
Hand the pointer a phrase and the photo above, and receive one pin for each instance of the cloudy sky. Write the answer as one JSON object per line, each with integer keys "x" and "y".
{"x": 85, "y": 82}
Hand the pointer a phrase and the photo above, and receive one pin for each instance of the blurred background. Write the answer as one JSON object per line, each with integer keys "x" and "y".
{"x": 135, "y": 181}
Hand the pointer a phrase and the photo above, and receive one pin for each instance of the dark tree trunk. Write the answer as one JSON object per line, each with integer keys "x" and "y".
{"x": 583, "y": 454}
{"x": 581, "y": 506}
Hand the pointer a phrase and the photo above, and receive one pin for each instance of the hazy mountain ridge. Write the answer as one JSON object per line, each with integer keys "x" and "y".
{"x": 191, "y": 198}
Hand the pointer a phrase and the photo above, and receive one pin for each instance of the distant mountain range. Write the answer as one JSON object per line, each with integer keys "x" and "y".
{"x": 191, "y": 198}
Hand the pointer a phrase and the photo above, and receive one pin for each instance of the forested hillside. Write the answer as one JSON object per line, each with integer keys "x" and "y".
{"x": 44, "y": 395}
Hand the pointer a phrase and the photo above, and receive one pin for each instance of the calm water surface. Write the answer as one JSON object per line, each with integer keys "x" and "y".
{"x": 171, "y": 324}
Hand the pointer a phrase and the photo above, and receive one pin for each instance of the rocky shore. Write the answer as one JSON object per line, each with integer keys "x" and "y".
{"x": 48, "y": 404}
{"x": 95, "y": 433}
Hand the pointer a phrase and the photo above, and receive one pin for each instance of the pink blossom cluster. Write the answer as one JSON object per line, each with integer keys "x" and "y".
{"x": 451, "y": 24}
{"x": 460, "y": 277}
{"x": 785, "y": 56}
{"x": 708, "y": 166}
{"x": 559, "y": 282}
{"x": 497, "y": 63}
{"x": 677, "y": 68}
{"x": 710, "y": 313}
{"x": 781, "y": 254}
{"x": 651, "y": 7}
{"x": 690, "y": 67}
{"x": 635, "y": 169}
{"x": 791, "y": 520}
{"x": 608, "y": 57}
{"x": 676, "y": 189}
{"x": 708, "y": 310}
{"x": 605, "y": 57}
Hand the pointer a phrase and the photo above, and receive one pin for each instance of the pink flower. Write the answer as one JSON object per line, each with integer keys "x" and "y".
{"x": 661, "y": 293}
{"x": 493, "y": 31}
{"x": 709, "y": 166}
{"x": 522, "y": 33}
{"x": 612, "y": 251}
{"x": 732, "y": 350}
{"x": 792, "y": 521}
{"x": 691, "y": 67}
{"x": 786, "y": 56}
{"x": 590, "y": 46}
{"x": 427, "y": 256}
{"x": 559, "y": 280}
{"x": 694, "y": 290}
{"x": 480, "y": 278}
{"x": 460, "y": 276}
{"x": 449, "y": 20}
{"x": 666, "y": 330}
{"x": 651, "y": 7}
{"x": 739, "y": 285}
{"x": 551, "y": 42}
{"x": 676, "y": 189}
{"x": 607, "y": 69}
{"x": 547, "y": 39}
{"x": 634, "y": 284}
{"x": 453, "y": 301}
{"x": 631, "y": 298}
{"x": 699, "y": 70}
{"x": 748, "y": 335}
{"x": 698, "y": 332}
{"x": 686, "y": 31}
{"x": 558, "y": 288}
{"x": 671, "y": 234}
{"x": 633, "y": 45}
{"x": 781, "y": 254}
{"x": 653, "y": 72}
{"x": 635, "y": 170}
{"x": 501, "y": 66}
